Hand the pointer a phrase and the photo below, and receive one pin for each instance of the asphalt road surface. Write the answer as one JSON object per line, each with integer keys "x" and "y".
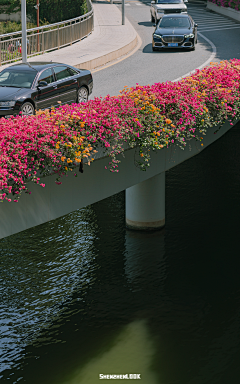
{"x": 147, "y": 67}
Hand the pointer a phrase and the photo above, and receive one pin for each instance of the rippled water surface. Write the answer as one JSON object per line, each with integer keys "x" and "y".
{"x": 82, "y": 295}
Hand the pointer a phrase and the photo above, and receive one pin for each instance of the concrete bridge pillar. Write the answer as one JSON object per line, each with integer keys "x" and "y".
{"x": 145, "y": 204}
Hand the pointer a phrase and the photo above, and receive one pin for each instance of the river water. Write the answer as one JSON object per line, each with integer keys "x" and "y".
{"x": 83, "y": 296}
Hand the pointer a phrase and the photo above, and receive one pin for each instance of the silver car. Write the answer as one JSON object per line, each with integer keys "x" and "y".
{"x": 163, "y": 7}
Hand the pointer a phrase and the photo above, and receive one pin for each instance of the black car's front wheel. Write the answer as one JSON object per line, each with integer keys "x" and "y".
{"x": 27, "y": 109}
{"x": 82, "y": 95}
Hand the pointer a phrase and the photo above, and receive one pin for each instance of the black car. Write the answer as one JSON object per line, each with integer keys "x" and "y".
{"x": 37, "y": 85}
{"x": 175, "y": 31}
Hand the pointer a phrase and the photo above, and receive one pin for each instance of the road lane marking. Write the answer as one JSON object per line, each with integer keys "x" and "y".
{"x": 217, "y": 25}
{"x": 206, "y": 15}
{"x": 218, "y": 29}
{"x": 214, "y": 22}
{"x": 209, "y": 18}
{"x": 197, "y": 9}
{"x": 211, "y": 58}
{"x": 199, "y": 12}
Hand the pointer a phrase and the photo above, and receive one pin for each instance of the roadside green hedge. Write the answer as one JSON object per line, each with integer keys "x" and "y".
{"x": 51, "y": 11}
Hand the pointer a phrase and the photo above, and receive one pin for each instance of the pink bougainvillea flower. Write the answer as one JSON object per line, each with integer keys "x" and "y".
{"x": 152, "y": 116}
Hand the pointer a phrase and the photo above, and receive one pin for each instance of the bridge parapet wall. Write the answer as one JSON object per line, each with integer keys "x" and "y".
{"x": 95, "y": 184}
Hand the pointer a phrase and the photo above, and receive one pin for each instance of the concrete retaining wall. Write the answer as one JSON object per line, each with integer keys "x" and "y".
{"x": 111, "y": 56}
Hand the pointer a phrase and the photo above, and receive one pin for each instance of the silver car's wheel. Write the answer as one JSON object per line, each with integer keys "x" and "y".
{"x": 82, "y": 95}
{"x": 27, "y": 109}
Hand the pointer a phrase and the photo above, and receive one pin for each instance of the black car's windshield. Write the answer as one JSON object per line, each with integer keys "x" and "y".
{"x": 17, "y": 79}
{"x": 174, "y": 22}
{"x": 169, "y": 2}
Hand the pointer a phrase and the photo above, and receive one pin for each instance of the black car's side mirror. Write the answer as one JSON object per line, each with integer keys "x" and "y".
{"x": 42, "y": 84}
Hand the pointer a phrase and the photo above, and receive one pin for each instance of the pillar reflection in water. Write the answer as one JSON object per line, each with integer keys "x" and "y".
{"x": 144, "y": 259}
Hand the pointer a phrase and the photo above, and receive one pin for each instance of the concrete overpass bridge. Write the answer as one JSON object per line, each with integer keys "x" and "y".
{"x": 145, "y": 191}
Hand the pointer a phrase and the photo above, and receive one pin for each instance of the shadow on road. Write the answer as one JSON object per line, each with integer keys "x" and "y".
{"x": 100, "y": 1}
{"x": 148, "y": 49}
{"x": 146, "y": 23}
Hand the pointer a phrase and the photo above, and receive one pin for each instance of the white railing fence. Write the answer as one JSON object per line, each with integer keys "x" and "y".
{"x": 46, "y": 38}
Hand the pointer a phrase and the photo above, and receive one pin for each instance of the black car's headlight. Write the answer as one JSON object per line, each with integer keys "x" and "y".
{"x": 191, "y": 35}
{"x": 157, "y": 36}
{"x": 7, "y": 103}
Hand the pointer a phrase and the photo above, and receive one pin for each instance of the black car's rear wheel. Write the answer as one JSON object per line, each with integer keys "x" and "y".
{"x": 27, "y": 109}
{"x": 82, "y": 95}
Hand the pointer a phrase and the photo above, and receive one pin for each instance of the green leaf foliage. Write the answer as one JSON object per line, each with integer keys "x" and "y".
{"x": 50, "y": 11}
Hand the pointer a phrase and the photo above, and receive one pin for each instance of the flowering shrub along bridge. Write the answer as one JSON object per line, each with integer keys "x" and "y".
{"x": 174, "y": 120}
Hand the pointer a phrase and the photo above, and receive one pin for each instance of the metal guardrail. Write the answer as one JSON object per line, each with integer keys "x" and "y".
{"x": 46, "y": 38}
